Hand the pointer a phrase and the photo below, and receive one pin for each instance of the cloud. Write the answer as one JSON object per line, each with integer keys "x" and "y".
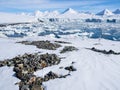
{"x": 55, "y": 4}
{"x": 27, "y": 4}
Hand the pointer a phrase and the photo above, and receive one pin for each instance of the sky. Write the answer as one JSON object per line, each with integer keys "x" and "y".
{"x": 16, "y": 6}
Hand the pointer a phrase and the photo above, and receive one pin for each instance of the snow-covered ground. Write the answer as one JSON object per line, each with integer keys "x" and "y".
{"x": 9, "y": 48}
{"x": 95, "y": 71}
{"x": 7, "y": 79}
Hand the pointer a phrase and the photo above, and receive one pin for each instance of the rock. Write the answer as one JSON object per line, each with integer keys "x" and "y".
{"x": 20, "y": 65}
{"x": 32, "y": 79}
{"x": 50, "y": 75}
{"x": 24, "y": 87}
{"x": 73, "y": 63}
{"x": 10, "y": 63}
{"x": 104, "y": 51}
{"x": 64, "y": 76}
{"x": 93, "y": 48}
{"x": 68, "y": 49}
{"x": 19, "y": 74}
{"x": 27, "y": 64}
{"x": 17, "y": 69}
{"x": 70, "y": 68}
{"x": 2, "y": 64}
{"x": 62, "y": 42}
{"x": 37, "y": 87}
{"x": 39, "y": 81}
{"x": 43, "y": 64}
{"x": 42, "y": 44}
{"x": 60, "y": 67}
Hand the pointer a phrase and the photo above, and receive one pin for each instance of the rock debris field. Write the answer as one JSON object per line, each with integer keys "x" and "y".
{"x": 25, "y": 65}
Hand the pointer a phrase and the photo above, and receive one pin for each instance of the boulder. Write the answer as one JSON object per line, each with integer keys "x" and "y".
{"x": 70, "y": 68}
{"x": 37, "y": 87}
{"x": 68, "y": 49}
{"x": 42, "y": 44}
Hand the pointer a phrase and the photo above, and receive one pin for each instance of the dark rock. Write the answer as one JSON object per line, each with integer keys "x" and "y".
{"x": 73, "y": 63}
{"x": 50, "y": 75}
{"x": 39, "y": 81}
{"x": 60, "y": 67}
{"x": 104, "y": 51}
{"x": 70, "y": 68}
{"x": 37, "y": 87}
{"x": 93, "y": 48}
{"x": 68, "y": 49}
{"x": 10, "y": 63}
{"x": 2, "y": 63}
{"x": 27, "y": 64}
{"x": 24, "y": 87}
{"x": 62, "y": 42}
{"x": 42, "y": 44}
{"x": 64, "y": 76}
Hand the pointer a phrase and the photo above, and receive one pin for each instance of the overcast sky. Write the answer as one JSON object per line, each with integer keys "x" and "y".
{"x": 61, "y": 5}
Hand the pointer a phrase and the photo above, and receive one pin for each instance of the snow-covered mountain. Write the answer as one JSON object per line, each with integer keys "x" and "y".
{"x": 117, "y": 11}
{"x": 38, "y": 13}
{"x": 51, "y": 14}
{"x": 47, "y": 14}
{"x": 105, "y": 12}
{"x": 70, "y": 11}
{"x": 67, "y": 14}
{"x": 73, "y": 14}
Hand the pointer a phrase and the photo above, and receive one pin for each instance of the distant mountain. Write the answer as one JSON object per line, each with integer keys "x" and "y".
{"x": 70, "y": 11}
{"x": 105, "y": 12}
{"x": 55, "y": 12}
{"x": 51, "y": 14}
{"x": 117, "y": 11}
{"x": 25, "y": 14}
{"x": 38, "y": 13}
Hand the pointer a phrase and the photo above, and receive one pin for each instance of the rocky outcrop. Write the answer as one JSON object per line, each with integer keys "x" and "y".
{"x": 42, "y": 44}
{"x": 27, "y": 64}
{"x": 104, "y": 51}
{"x": 70, "y": 68}
{"x": 68, "y": 49}
{"x": 62, "y": 42}
{"x": 50, "y": 75}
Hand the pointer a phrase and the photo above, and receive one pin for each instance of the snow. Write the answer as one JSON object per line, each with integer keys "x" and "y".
{"x": 95, "y": 71}
{"x": 105, "y": 12}
{"x": 67, "y": 14}
{"x": 7, "y": 79}
{"x": 15, "y": 18}
{"x": 38, "y": 13}
{"x": 70, "y": 11}
{"x": 52, "y": 14}
{"x": 117, "y": 11}
{"x": 9, "y": 48}
{"x": 73, "y": 14}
